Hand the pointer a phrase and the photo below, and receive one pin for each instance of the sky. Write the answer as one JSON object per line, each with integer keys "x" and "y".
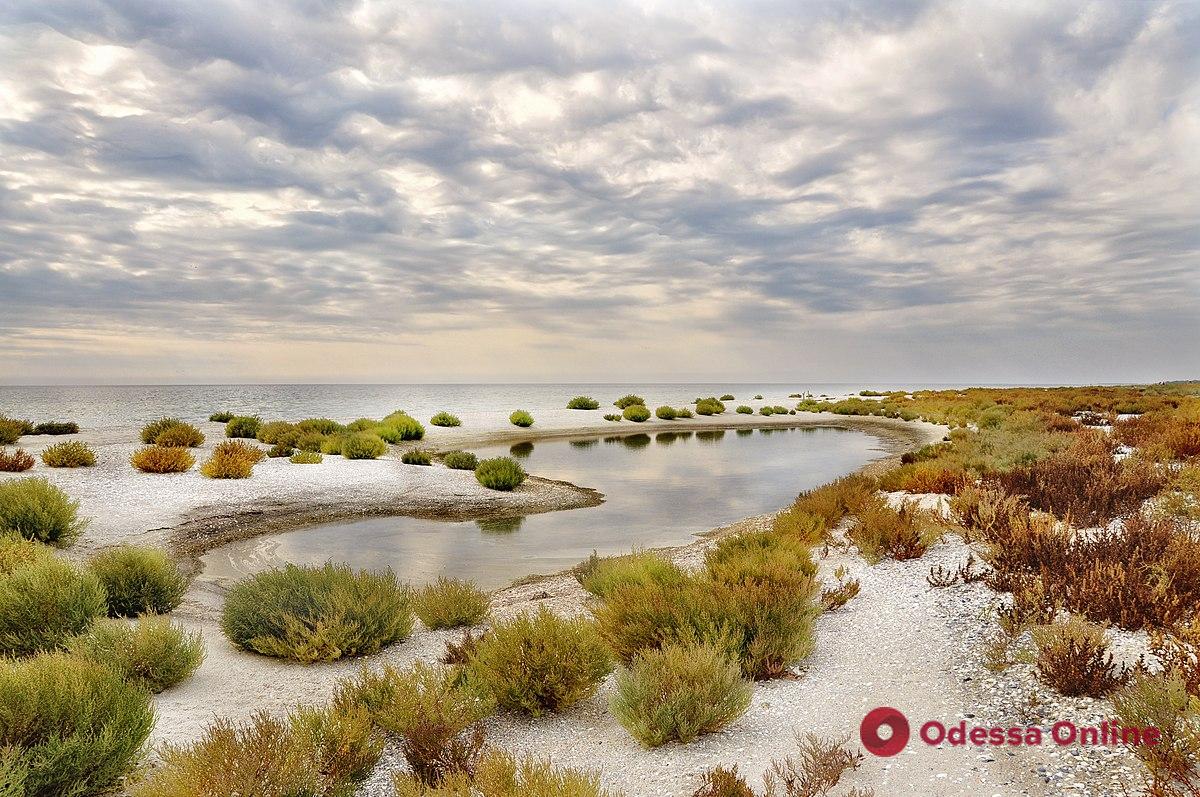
{"x": 342, "y": 191}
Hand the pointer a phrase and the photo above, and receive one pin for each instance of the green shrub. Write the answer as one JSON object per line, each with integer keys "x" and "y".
{"x": 232, "y": 459}
{"x": 45, "y": 601}
{"x": 612, "y": 416}
{"x": 16, "y": 462}
{"x": 334, "y": 443}
{"x": 540, "y": 663}
{"x": 322, "y": 426}
{"x": 360, "y": 425}
{"x": 37, "y": 510}
{"x": 498, "y": 774}
{"x": 244, "y": 426}
{"x": 683, "y": 412}
{"x": 417, "y": 456}
{"x": 151, "y": 652}
{"x": 450, "y": 603}
{"x": 152, "y": 430}
{"x": 445, "y": 419}
{"x": 156, "y": 459}
{"x": 398, "y": 427}
{"x": 1162, "y": 701}
{"x": 430, "y": 710}
{"x": 78, "y": 724}
{"x": 363, "y": 446}
{"x": 600, "y": 575}
{"x": 583, "y": 403}
{"x": 460, "y": 460}
{"x": 636, "y": 413}
{"x": 306, "y": 458}
{"x": 627, "y": 401}
{"x": 760, "y": 556}
{"x": 678, "y": 693}
{"x": 221, "y": 417}
{"x": 310, "y": 442}
{"x": 758, "y": 397}
{"x": 709, "y": 406}
{"x": 317, "y": 613}
{"x": 280, "y": 450}
{"x": 276, "y": 432}
{"x": 880, "y": 531}
{"x": 499, "y": 473}
{"x": 521, "y": 418}
{"x": 12, "y": 430}
{"x": 309, "y": 753}
{"x": 56, "y": 428}
{"x": 69, "y": 454}
{"x": 744, "y": 410}
{"x": 727, "y": 397}
{"x": 138, "y": 580}
{"x": 666, "y": 413}
{"x": 180, "y": 435}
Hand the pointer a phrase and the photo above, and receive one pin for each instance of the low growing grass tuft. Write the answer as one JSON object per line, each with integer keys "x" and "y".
{"x": 450, "y": 603}
{"x": 500, "y": 473}
{"x": 317, "y": 613}
{"x": 306, "y": 458}
{"x": 56, "y": 428}
{"x": 79, "y": 725}
{"x": 151, "y": 652}
{"x": 612, "y": 416}
{"x": 38, "y": 510}
{"x": 138, "y": 580}
{"x": 540, "y": 663}
{"x": 69, "y": 454}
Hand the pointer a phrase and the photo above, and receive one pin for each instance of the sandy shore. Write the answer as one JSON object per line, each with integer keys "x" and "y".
{"x": 895, "y": 644}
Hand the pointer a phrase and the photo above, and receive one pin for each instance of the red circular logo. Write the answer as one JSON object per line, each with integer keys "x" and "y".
{"x": 868, "y": 731}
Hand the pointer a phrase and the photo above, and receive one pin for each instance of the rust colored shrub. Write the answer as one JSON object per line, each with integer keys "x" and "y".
{"x": 881, "y": 532}
{"x": 16, "y": 462}
{"x": 1073, "y": 656}
{"x": 157, "y": 459}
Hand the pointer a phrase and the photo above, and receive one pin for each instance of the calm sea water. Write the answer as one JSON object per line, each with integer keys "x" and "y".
{"x": 660, "y": 490}
{"x": 101, "y": 406}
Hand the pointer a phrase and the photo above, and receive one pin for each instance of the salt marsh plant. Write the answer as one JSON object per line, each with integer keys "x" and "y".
{"x": 221, "y": 417}
{"x": 232, "y": 459}
{"x": 37, "y": 510}
{"x": 363, "y": 446}
{"x": 416, "y": 456}
{"x": 744, "y": 410}
{"x": 677, "y": 693}
{"x": 317, "y": 613}
{"x": 601, "y": 575}
{"x": 138, "y": 580}
{"x": 153, "y": 429}
{"x": 666, "y": 413}
{"x": 450, "y": 603}
{"x": 1073, "y": 657}
{"x": 683, "y": 412}
{"x": 56, "y": 428}
{"x": 77, "y": 725}
{"x": 709, "y": 406}
{"x": 15, "y": 461}
{"x": 69, "y": 454}
{"x": 398, "y": 427}
{"x": 243, "y": 426}
{"x": 612, "y": 416}
{"x": 626, "y": 401}
{"x": 1162, "y": 701}
{"x": 44, "y": 600}
{"x": 311, "y": 752}
{"x": 276, "y": 432}
{"x": 152, "y": 652}
{"x": 498, "y": 774}
{"x": 180, "y": 435}
{"x": 881, "y": 531}
{"x": 460, "y": 460}
{"x": 583, "y": 403}
{"x": 540, "y": 663}
{"x": 306, "y": 458}
{"x": 12, "y": 429}
{"x": 445, "y": 419}
{"x": 157, "y": 459}
{"x": 521, "y": 418}
{"x": 636, "y": 413}
{"x": 500, "y": 473}
{"x": 727, "y": 397}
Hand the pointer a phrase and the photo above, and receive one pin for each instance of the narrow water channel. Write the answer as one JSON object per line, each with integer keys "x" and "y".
{"x": 659, "y": 490}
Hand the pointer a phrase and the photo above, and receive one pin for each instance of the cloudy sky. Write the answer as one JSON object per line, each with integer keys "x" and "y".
{"x": 329, "y": 190}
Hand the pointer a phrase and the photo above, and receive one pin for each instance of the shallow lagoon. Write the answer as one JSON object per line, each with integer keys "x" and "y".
{"x": 660, "y": 489}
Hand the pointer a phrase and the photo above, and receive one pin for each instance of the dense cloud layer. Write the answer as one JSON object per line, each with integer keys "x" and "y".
{"x": 324, "y": 189}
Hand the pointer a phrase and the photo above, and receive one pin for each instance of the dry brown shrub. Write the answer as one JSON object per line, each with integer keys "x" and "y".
{"x": 722, "y": 782}
{"x": 986, "y": 511}
{"x": 158, "y": 459}
{"x": 16, "y": 462}
{"x": 880, "y": 531}
{"x": 1073, "y": 656}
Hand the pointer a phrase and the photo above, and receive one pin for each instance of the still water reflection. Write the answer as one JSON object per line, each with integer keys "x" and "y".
{"x": 659, "y": 491}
